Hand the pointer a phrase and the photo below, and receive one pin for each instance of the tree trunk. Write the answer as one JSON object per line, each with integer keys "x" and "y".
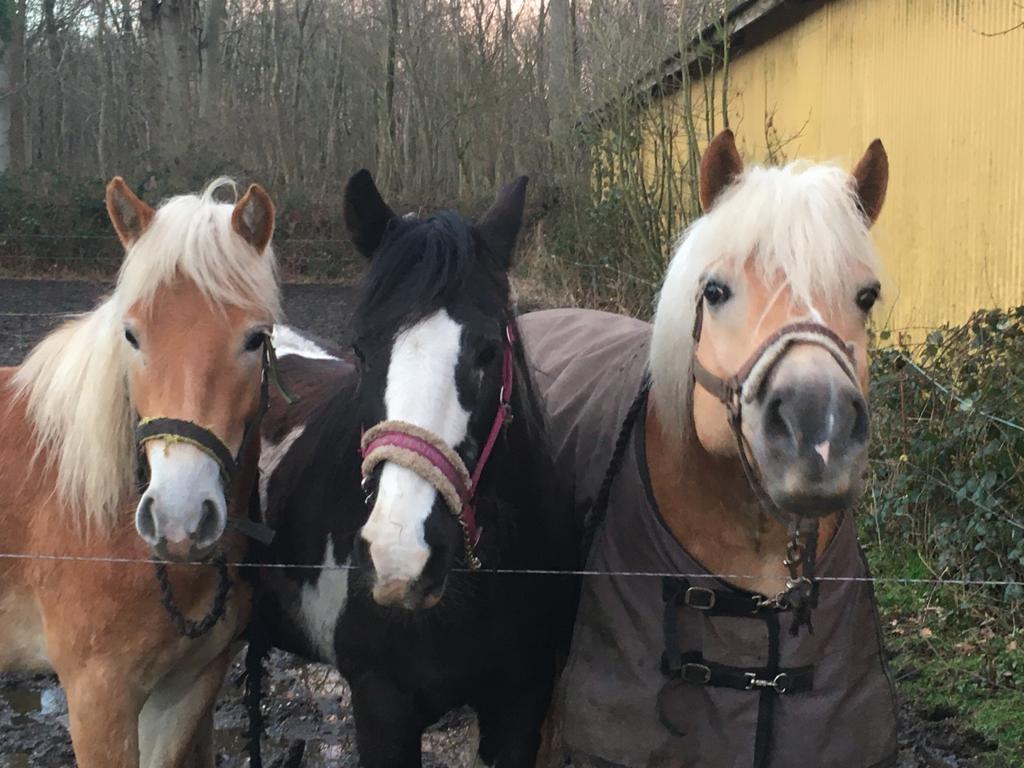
{"x": 167, "y": 25}
{"x": 100, "y": 7}
{"x": 18, "y": 136}
{"x": 213, "y": 63}
{"x": 54, "y": 114}
{"x": 12, "y": 95}
{"x": 5, "y": 106}
{"x": 560, "y": 62}
{"x": 390, "y": 149}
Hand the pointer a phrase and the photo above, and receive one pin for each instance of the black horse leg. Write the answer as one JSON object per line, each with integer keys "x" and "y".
{"x": 388, "y": 726}
{"x": 511, "y": 717}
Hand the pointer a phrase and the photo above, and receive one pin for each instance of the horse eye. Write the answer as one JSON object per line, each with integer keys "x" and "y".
{"x": 255, "y": 341}
{"x": 716, "y": 293}
{"x": 486, "y": 356}
{"x": 866, "y": 298}
{"x": 130, "y": 338}
{"x": 359, "y": 353}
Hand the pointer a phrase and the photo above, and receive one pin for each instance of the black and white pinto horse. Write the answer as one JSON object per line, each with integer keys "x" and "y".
{"x": 406, "y": 478}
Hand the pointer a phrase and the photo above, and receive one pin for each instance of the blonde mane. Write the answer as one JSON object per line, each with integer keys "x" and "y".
{"x": 75, "y": 380}
{"x": 801, "y": 222}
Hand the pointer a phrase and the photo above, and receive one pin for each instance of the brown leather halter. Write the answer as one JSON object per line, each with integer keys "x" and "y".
{"x": 747, "y": 385}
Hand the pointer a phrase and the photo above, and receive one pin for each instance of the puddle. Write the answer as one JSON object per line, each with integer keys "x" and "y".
{"x": 23, "y": 704}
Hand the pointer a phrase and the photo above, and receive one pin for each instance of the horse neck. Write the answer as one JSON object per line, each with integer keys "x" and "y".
{"x": 708, "y": 505}
{"x": 539, "y": 530}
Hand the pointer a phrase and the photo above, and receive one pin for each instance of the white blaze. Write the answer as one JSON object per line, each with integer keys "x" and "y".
{"x": 421, "y": 390}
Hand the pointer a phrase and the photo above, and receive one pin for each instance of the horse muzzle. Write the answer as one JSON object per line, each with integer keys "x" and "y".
{"x": 808, "y": 430}
{"x": 183, "y": 511}
{"x": 410, "y": 588}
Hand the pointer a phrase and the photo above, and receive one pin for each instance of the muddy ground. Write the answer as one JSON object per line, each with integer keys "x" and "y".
{"x": 307, "y": 705}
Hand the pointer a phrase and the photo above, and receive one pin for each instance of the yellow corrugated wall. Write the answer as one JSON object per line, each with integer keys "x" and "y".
{"x": 948, "y": 103}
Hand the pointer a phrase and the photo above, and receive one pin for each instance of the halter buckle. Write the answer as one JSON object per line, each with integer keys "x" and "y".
{"x": 696, "y": 673}
{"x": 701, "y": 598}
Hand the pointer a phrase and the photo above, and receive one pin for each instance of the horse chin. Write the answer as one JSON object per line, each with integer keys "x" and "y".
{"x": 432, "y": 598}
{"x": 408, "y": 598}
{"x": 816, "y": 500}
{"x": 183, "y": 552}
{"x": 813, "y": 505}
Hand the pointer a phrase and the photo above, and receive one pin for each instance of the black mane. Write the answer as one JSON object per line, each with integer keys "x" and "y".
{"x": 423, "y": 265}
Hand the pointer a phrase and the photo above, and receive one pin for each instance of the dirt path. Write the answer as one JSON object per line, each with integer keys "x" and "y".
{"x": 306, "y": 704}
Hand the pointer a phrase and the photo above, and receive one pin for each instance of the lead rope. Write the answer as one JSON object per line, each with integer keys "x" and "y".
{"x": 596, "y": 514}
{"x": 255, "y": 670}
{"x": 187, "y": 627}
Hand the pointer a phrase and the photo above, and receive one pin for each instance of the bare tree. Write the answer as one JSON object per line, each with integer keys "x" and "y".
{"x": 167, "y": 25}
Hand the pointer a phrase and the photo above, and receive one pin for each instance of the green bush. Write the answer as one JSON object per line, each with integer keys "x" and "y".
{"x": 948, "y": 447}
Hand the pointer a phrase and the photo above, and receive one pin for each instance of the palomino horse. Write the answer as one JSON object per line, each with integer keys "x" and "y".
{"x": 180, "y": 343}
{"x": 729, "y": 438}
{"x": 457, "y": 478}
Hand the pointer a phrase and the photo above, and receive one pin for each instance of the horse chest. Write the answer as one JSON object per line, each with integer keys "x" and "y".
{"x": 22, "y": 639}
{"x": 322, "y": 603}
{"x": 311, "y": 608}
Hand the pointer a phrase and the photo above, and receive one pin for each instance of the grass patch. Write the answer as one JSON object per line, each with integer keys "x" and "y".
{"x": 957, "y": 654}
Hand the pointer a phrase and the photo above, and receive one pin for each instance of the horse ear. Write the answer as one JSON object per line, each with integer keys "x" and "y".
{"x": 366, "y": 213}
{"x": 871, "y": 179}
{"x": 253, "y": 217}
{"x": 129, "y": 215}
{"x": 719, "y": 167}
{"x": 499, "y": 226}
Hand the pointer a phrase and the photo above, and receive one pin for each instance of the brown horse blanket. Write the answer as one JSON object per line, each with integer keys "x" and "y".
{"x": 685, "y": 671}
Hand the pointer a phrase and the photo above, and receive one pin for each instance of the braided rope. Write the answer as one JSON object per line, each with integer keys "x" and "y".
{"x": 596, "y": 514}
{"x": 187, "y": 627}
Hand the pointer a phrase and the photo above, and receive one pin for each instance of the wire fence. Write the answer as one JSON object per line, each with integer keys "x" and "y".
{"x": 515, "y": 571}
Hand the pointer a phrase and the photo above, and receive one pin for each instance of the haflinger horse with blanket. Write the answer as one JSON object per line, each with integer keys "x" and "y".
{"x": 426, "y": 466}
{"x": 730, "y": 439}
{"x": 146, "y": 408}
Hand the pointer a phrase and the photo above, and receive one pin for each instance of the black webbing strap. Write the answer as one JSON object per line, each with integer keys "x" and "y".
{"x": 179, "y": 430}
{"x": 694, "y": 668}
{"x": 717, "y": 602}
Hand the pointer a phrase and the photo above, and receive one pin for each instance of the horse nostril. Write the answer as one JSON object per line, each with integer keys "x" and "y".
{"x": 145, "y": 521}
{"x": 775, "y": 425}
{"x": 209, "y": 527}
{"x": 860, "y": 430}
{"x": 361, "y": 554}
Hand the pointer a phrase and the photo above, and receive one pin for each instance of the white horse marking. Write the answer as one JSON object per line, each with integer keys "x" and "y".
{"x": 323, "y": 602}
{"x": 421, "y": 390}
{"x": 182, "y": 481}
{"x": 271, "y": 455}
{"x": 288, "y": 341}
